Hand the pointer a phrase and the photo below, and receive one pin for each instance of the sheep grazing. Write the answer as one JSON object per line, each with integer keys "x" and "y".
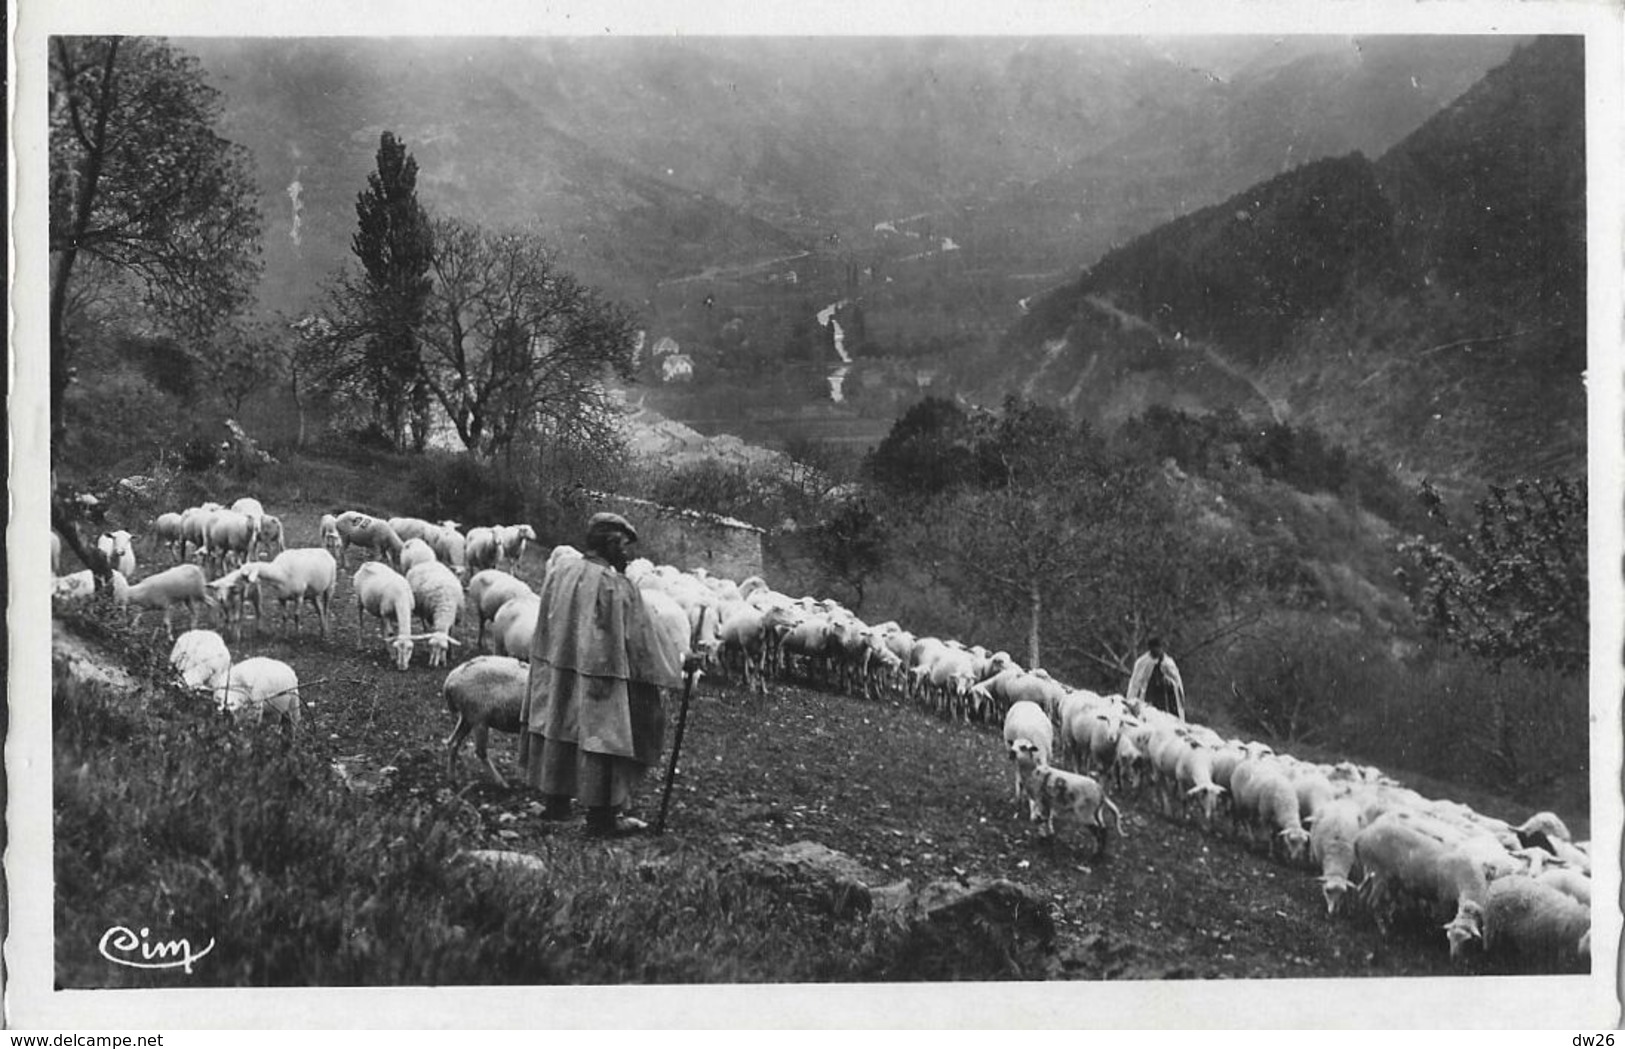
{"x": 181, "y": 585}
{"x": 485, "y": 693}
{"x": 1027, "y": 722}
{"x": 437, "y": 597}
{"x": 1538, "y": 923}
{"x": 298, "y": 575}
{"x": 443, "y": 539}
{"x": 514, "y": 628}
{"x": 1265, "y": 796}
{"x": 271, "y": 533}
{"x": 328, "y": 536}
{"x": 488, "y": 591}
{"x": 202, "y": 660}
{"x": 1331, "y": 846}
{"x": 231, "y": 540}
{"x": 257, "y": 685}
{"x": 118, "y": 549}
{"x": 480, "y": 549}
{"x": 1078, "y": 795}
{"x": 1194, "y": 775}
{"x": 744, "y": 632}
{"x": 385, "y": 593}
{"x": 195, "y": 523}
{"x": 416, "y": 552}
{"x": 358, "y": 529}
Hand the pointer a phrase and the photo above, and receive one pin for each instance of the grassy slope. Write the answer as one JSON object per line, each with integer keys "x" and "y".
{"x": 900, "y": 790}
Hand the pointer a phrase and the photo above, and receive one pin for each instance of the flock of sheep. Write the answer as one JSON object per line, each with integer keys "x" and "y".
{"x": 1374, "y": 843}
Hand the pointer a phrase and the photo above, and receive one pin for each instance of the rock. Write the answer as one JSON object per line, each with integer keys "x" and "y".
{"x": 829, "y": 881}
{"x": 987, "y": 902}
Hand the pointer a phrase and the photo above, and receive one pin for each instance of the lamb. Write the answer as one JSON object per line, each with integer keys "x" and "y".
{"x": 1070, "y": 792}
{"x": 514, "y": 627}
{"x": 259, "y": 683}
{"x": 385, "y": 593}
{"x": 1538, "y": 922}
{"x": 328, "y": 535}
{"x": 488, "y": 591}
{"x": 416, "y": 552}
{"x": 167, "y": 530}
{"x": 117, "y": 548}
{"x": 182, "y": 584}
{"x": 363, "y": 530}
{"x": 298, "y": 575}
{"x": 1331, "y": 845}
{"x": 486, "y": 692}
{"x": 437, "y": 596}
{"x": 1027, "y": 722}
{"x": 202, "y": 660}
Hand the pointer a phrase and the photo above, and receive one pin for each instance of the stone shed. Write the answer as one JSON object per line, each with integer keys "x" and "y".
{"x": 687, "y": 539}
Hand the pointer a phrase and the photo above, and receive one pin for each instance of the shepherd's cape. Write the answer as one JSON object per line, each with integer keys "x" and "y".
{"x": 596, "y": 665}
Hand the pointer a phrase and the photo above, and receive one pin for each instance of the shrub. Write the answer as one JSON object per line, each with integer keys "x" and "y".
{"x": 461, "y": 488}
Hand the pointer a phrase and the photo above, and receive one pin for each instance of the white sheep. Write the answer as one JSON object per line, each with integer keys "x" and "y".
{"x": 202, "y": 660}
{"x": 370, "y": 533}
{"x": 511, "y": 540}
{"x": 81, "y": 585}
{"x": 258, "y": 684}
{"x": 298, "y": 575}
{"x": 416, "y": 552}
{"x": 1568, "y": 881}
{"x": 1331, "y": 846}
{"x": 1537, "y": 922}
{"x": 195, "y": 523}
{"x": 488, "y": 591}
{"x": 409, "y": 528}
{"x": 1194, "y": 775}
{"x": 485, "y": 693}
{"x": 232, "y": 538}
{"x": 385, "y": 593}
{"x": 1272, "y": 802}
{"x": 450, "y": 547}
{"x": 181, "y": 585}
{"x": 744, "y": 632}
{"x": 1027, "y": 722}
{"x": 328, "y": 535}
{"x": 272, "y": 534}
{"x": 437, "y": 597}
{"x": 513, "y": 629}
{"x": 480, "y": 549}
{"x": 1070, "y": 792}
{"x": 119, "y": 550}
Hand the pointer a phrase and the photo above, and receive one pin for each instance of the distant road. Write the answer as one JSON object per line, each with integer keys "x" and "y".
{"x": 732, "y": 272}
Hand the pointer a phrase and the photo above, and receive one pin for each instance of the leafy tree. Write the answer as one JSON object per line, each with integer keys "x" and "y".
{"x": 381, "y": 313}
{"x": 1513, "y": 584}
{"x": 146, "y": 199}
{"x": 850, "y": 544}
{"x": 1511, "y": 587}
{"x": 927, "y": 451}
{"x": 515, "y": 346}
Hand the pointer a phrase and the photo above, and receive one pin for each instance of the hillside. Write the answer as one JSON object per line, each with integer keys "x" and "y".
{"x": 272, "y": 880}
{"x": 729, "y": 190}
{"x": 1390, "y": 303}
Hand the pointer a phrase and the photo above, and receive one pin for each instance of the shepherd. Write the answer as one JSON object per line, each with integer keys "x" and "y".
{"x": 592, "y": 718}
{"x": 1156, "y": 680}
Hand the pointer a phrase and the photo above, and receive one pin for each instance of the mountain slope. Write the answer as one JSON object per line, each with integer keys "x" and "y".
{"x": 1428, "y": 306}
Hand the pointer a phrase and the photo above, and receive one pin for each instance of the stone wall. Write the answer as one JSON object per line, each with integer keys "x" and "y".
{"x": 687, "y": 539}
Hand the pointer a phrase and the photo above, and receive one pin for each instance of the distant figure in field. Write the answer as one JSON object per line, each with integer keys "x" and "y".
{"x": 1156, "y": 680}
